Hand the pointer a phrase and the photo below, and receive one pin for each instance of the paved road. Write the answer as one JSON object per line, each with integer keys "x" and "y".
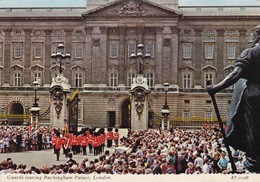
{"x": 43, "y": 157}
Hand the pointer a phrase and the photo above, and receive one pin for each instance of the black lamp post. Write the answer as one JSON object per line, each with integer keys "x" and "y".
{"x": 165, "y": 110}
{"x": 36, "y": 85}
{"x": 140, "y": 58}
{"x": 59, "y": 56}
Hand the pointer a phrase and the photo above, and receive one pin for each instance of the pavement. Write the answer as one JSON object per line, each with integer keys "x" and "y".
{"x": 47, "y": 157}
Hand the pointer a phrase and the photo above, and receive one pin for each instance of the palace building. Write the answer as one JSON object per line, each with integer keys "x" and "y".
{"x": 188, "y": 45}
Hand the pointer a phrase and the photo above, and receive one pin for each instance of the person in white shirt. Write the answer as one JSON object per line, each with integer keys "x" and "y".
{"x": 206, "y": 169}
{"x": 198, "y": 161}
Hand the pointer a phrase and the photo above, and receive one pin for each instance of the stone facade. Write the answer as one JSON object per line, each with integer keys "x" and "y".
{"x": 189, "y": 46}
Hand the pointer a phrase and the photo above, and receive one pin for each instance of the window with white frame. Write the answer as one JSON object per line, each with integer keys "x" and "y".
{"x": 150, "y": 49}
{"x": 187, "y": 51}
{"x": 231, "y": 51}
{"x": 78, "y": 80}
{"x": 131, "y": 48}
{"x": 113, "y": 78}
{"x": 209, "y": 50}
{"x": 208, "y": 115}
{"x": 18, "y": 49}
{"x": 78, "y": 51}
{"x": 37, "y": 76}
{"x": 114, "y": 49}
{"x": 187, "y": 80}
{"x": 1, "y": 50}
{"x": 231, "y": 32}
{"x": 209, "y": 32}
{"x": 207, "y": 77}
{"x": 37, "y": 53}
{"x": 150, "y": 79}
{"x": 130, "y": 78}
{"x": 79, "y": 114}
{"x": 17, "y": 79}
{"x": 186, "y": 115}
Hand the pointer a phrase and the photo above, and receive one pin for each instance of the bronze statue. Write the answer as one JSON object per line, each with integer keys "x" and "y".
{"x": 243, "y": 126}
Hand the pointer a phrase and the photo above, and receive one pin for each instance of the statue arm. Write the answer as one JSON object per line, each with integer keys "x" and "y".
{"x": 229, "y": 80}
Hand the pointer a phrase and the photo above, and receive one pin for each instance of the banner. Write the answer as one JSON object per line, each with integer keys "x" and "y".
{"x": 73, "y": 112}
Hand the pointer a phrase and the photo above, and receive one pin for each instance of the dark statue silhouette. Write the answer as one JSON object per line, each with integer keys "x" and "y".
{"x": 243, "y": 126}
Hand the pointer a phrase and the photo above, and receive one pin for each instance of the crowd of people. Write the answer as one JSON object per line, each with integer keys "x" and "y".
{"x": 24, "y": 138}
{"x": 173, "y": 151}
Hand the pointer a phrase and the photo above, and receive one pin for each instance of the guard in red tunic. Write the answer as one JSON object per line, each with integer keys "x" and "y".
{"x": 116, "y": 137}
{"x": 90, "y": 140}
{"x": 84, "y": 143}
{"x": 95, "y": 143}
{"x": 53, "y": 141}
{"x": 58, "y": 145}
{"x": 109, "y": 137}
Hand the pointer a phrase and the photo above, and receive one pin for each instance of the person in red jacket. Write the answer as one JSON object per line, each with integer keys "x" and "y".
{"x": 84, "y": 143}
{"x": 109, "y": 137}
{"x": 116, "y": 137}
{"x": 90, "y": 136}
{"x": 58, "y": 145}
{"x": 95, "y": 143}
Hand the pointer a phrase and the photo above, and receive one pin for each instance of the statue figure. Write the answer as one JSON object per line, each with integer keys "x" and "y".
{"x": 243, "y": 126}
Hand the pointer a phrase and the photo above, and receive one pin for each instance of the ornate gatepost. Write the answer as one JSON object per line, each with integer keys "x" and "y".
{"x": 139, "y": 103}
{"x": 58, "y": 110}
{"x": 139, "y": 91}
{"x": 59, "y": 89}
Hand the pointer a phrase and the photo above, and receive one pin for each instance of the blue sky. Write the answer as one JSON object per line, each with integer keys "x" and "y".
{"x": 82, "y": 3}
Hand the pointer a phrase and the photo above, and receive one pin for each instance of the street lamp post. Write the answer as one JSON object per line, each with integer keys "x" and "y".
{"x": 140, "y": 58}
{"x": 36, "y": 85}
{"x": 165, "y": 110}
{"x": 59, "y": 56}
{"x": 35, "y": 109}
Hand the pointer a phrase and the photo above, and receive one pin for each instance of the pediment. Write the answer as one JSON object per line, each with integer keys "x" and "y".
{"x": 132, "y": 8}
{"x": 17, "y": 67}
{"x": 37, "y": 66}
{"x": 188, "y": 68}
{"x": 208, "y": 67}
{"x": 77, "y": 67}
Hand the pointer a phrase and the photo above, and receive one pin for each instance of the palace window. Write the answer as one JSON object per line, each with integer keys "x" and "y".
{"x": 37, "y": 76}
{"x": 79, "y": 51}
{"x": 187, "y": 80}
{"x": 114, "y": 49}
{"x": 150, "y": 79}
{"x": 186, "y": 51}
{"x": 209, "y": 50}
{"x": 207, "y": 77}
{"x": 17, "y": 79}
{"x": 208, "y": 115}
{"x": 78, "y": 80}
{"x": 18, "y": 50}
{"x": 1, "y": 50}
{"x": 113, "y": 78}
{"x": 150, "y": 49}
{"x": 130, "y": 79}
{"x": 186, "y": 115}
{"x": 231, "y": 51}
{"x": 209, "y": 32}
{"x": 37, "y": 50}
{"x": 131, "y": 48}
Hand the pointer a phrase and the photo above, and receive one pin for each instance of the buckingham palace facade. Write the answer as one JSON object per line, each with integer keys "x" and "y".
{"x": 188, "y": 45}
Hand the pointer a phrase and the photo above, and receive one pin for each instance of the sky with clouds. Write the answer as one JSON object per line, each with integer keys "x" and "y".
{"x": 82, "y": 3}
